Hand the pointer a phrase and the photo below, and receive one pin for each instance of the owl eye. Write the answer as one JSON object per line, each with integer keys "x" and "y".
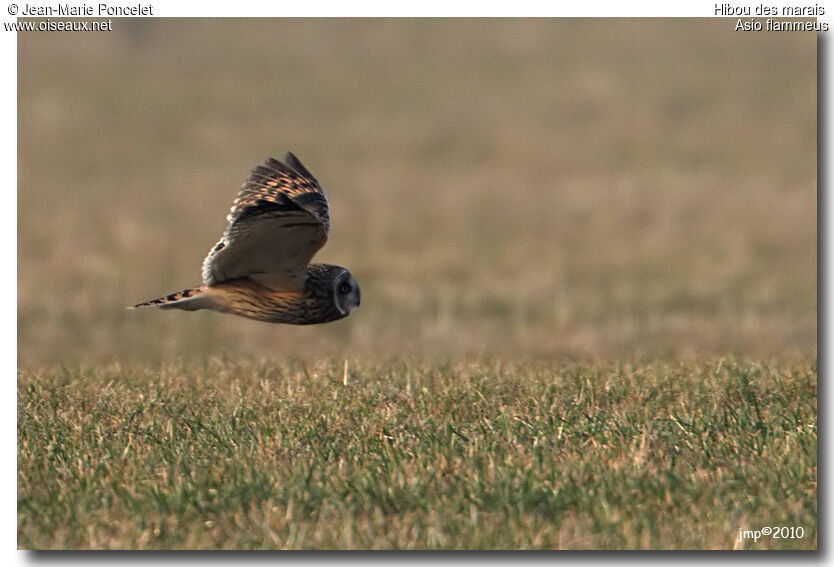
{"x": 344, "y": 288}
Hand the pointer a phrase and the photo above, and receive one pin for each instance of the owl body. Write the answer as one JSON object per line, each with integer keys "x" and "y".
{"x": 260, "y": 267}
{"x": 330, "y": 293}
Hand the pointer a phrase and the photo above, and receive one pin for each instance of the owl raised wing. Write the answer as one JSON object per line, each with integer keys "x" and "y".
{"x": 278, "y": 221}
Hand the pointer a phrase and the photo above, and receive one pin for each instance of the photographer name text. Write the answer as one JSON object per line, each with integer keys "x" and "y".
{"x": 86, "y": 10}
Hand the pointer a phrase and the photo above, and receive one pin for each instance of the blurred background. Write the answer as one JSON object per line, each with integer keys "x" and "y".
{"x": 504, "y": 187}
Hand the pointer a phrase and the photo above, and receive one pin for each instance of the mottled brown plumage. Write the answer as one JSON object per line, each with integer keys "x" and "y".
{"x": 261, "y": 268}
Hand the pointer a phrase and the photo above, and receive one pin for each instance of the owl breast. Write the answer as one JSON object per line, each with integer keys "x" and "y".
{"x": 319, "y": 302}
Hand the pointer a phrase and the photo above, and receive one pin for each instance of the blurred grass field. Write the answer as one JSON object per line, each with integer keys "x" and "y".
{"x": 582, "y": 195}
{"x": 517, "y": 187}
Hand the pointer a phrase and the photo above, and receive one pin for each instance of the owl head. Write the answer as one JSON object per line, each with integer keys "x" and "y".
{"x": 346, "y": 294}
{"x": 332, "y": 290}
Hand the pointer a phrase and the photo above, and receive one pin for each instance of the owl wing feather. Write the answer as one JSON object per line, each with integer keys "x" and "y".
{"x": 278, "y": 221}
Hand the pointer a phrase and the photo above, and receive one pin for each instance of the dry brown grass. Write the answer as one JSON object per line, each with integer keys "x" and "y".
{"x": 593, "y": 188}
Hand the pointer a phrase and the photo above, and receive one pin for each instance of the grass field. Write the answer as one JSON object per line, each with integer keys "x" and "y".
{"x": 588, "y": 259}
{"x": 474, "y": 456}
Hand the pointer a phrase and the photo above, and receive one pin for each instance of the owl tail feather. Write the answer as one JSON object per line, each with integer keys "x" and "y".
{"x": 189, "y": 299}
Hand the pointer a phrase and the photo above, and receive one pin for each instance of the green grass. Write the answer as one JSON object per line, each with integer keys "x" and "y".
{"x": 487, "y": 454}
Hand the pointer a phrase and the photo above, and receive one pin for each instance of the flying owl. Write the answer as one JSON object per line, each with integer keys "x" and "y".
{"x": 261, "y": 267}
